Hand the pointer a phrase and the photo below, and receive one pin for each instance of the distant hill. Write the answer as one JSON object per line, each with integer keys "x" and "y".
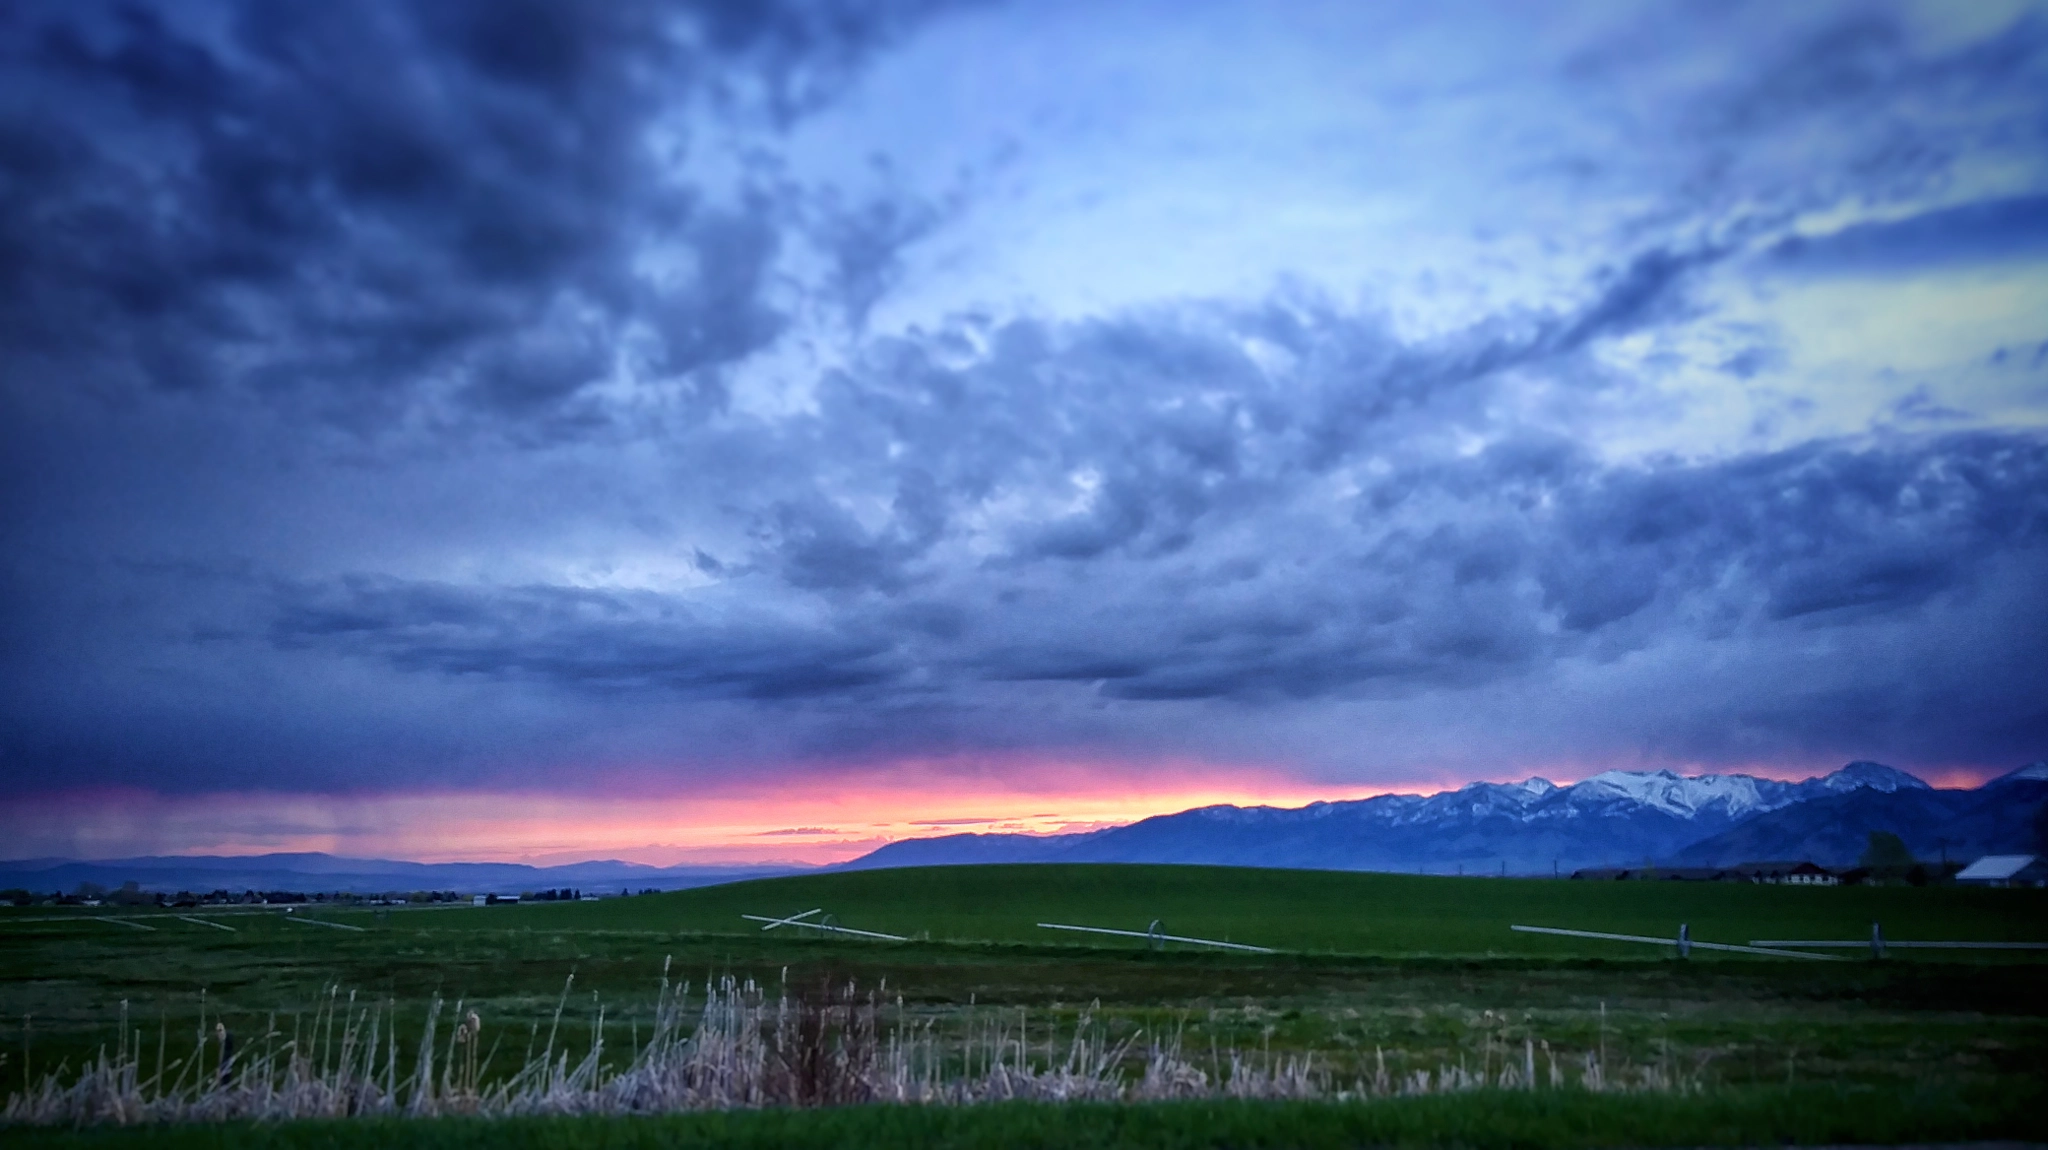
{"x": 1537, "y": 827}
{"x": 969, "y": 849}
{"x": 322, "y": 872}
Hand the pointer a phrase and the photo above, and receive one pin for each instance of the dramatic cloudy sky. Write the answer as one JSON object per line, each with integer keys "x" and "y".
{"x": 731, "y": 430}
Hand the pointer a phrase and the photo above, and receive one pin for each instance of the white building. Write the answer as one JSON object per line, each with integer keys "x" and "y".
{"x": 2005, "y": 870}
{"x": 1794, "y": 872}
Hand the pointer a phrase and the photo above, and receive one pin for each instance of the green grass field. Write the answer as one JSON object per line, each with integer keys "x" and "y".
{"x": 1421, "y": 967}
{"x": 1330, "y": 912}
{"x": 1312, "y": 912}
{"x": 1505, "y": 1120}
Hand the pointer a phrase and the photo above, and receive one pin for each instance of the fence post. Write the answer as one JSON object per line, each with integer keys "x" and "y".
{"x": 1876, "y": 941}
{"x": 1684, "y": 940}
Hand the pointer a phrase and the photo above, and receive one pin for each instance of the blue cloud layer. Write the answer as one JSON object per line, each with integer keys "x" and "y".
{"x": 450, "y": 392}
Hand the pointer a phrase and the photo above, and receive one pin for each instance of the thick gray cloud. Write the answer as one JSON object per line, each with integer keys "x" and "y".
{"x": 432, "y": 211}
{"x": 469, "y": 393}
{"x": 1228, "y": 558}
{"x": 587, "y": 640}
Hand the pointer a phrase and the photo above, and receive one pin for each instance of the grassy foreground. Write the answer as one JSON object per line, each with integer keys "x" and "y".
{"x": 1428, "y": 966}
{"x": 1749, "y": 1117}
{"x": 1417, "y": 973}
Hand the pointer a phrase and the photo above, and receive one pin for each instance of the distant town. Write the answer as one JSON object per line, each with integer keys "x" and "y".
{"x": 1886, "y": 864}
{"x": 132, "y": 895}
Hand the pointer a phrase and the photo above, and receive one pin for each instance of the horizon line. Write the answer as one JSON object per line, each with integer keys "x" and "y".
{"x": 800, "y": 865}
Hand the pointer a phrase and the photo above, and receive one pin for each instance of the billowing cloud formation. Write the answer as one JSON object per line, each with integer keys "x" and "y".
{"x": 476, "y": 395}
{"x": 408, "y": 211}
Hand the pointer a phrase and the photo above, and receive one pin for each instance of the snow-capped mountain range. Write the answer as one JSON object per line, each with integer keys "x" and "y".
{"x": 1538, "y": 827}
{"x": 1610, "y": 794}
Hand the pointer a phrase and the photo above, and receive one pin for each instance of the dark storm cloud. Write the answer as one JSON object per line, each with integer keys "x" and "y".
{"x": 1211, "y": 560}
{"x": 1825, "y": 527}
{"x": 1519, "y": 561}
{"x": 456, "y": 391}
{"x": 595, "y": 640}
{"x": 386, "y": 210}
{"x": 1154, "y": 509}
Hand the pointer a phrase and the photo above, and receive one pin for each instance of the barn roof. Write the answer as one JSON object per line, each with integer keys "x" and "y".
{"x": 1995, "y": 867}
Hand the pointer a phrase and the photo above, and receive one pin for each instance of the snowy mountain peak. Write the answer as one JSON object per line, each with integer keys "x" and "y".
{"x": 1615, "y": 796}
{"x": 1681, "y": 796}
{"x": 1637, "y": 785}
{"x": 1530, "y": 788}
{"x": 2037, "y": 770}
{"x": 1864, "y": 774}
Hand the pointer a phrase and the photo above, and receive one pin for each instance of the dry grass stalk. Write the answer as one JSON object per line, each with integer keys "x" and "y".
{"x": 734, "y": 1047}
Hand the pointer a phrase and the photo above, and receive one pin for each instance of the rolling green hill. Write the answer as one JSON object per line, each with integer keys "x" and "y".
{"x": 1318, "y": 911}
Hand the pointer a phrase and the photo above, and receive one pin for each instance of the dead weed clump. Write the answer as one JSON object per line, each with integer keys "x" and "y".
{"x": 732, "y": 1046}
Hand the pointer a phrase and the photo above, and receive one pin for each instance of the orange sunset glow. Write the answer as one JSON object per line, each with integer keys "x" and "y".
{"x": 827, "y": 817}
{"x": 822, "y": 820}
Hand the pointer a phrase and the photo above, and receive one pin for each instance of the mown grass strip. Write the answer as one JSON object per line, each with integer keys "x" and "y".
{"x": 1481, "y": 1120}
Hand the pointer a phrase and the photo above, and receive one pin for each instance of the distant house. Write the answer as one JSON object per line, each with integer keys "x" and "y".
{"x": 1800, "y": 873}
{"x": 1657, "y": 873}
{"x": 2005, "y": 870}
{"x": 1691, "y": 874}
